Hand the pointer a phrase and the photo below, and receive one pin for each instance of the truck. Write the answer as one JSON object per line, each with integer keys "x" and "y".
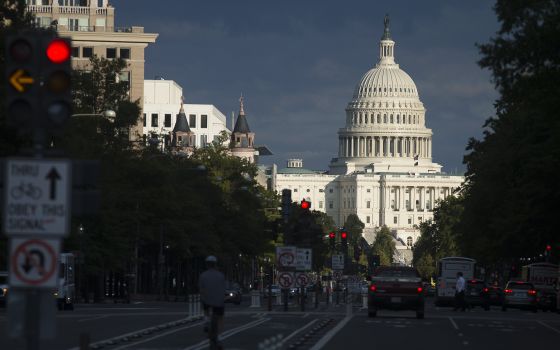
{"x": 65, "y": 291}
{"x": 447, "y": 277}
{"x": 544, "y": 276}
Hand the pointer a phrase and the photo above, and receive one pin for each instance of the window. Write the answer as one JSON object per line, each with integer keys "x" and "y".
{"x": 409, "y": 221}
{"x": 330, "y": 190}
{"x": 368, "y": 190}
{"x": 87, "y": 52}
{"x": 295, "y": 189}
{"x": 409, "y": 241}
{"x": 203, "y": 139}
{"x": 167, "y": 121}
{"x": 367, "y": 219}
{"x": 204, "y": 121}
{"x": 320, "y": 204}
{"x": 125, "y": 77}
{"x": 125, "y": 53}
{"x": 75, "y": 51}
{"x": 73, "y": 24}
{"x": 111, "y": 52}
{"x": 395, "y": 220}
{"x": 192, "y": 121}
{"x": 330, "y": 204}
{"x": 419, "y": 219}
{"x": 308, "y": 190}
{"x": 154, "y": 120}
{"x": 144, "y": 119}
{"x": 321, "y": 190}
{"x": 368, "y": 204}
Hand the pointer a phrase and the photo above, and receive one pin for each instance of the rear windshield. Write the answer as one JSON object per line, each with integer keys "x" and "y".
{"x": 397, "y": 273}
{"x": 3, "y": 279}
{"x": 515, "y": 285}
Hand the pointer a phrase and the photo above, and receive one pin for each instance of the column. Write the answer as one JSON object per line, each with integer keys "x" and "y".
{"x": 413, "y": 198}
{"x": 382, "y": 145}
{"x": 402, "y": 153}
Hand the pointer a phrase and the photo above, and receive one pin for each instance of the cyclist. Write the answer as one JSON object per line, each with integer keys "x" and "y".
{"x": 212, "y": 286}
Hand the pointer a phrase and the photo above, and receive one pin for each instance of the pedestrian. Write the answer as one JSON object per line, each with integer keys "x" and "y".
{"x": 460, "y": 292}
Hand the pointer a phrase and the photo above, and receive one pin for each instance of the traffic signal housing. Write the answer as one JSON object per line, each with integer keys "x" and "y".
{"x": 305, "y": 205}
{"x": 344, "y": 239}
{"x": 332, "y": 238}
{"x": 22, "y": 80}
{"x": 56, "y": 98}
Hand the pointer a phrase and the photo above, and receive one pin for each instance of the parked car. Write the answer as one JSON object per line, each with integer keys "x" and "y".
{"x": 233, "y": 293}
{"x": 397, "y": 288}
{"x": 476, "y": 294}
{"x": 3, "y": 287}
{"x": 521, "y": 295}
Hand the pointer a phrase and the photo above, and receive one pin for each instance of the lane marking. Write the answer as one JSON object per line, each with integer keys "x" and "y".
{"x": 549, "y": 327}
{"x": 158, "y": 336}
{"x": 325, "y": 339}
{"x": 116, "y": 308}
{"x": 93, "y": 318}
{"x": 299, "y": 330}
{"x": 305, "y": 315}
{"x": 203, "y": 344}
{"x": 453, "y": 323}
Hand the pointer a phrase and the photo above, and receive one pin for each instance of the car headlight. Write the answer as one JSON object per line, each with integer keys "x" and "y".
{"x": 230, "y": 294}
{"x": 55, "y": 294}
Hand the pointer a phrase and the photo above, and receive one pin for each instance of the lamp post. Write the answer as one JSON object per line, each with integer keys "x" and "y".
{"x": 81, "y": 291}
{"x": 109, "y": 114}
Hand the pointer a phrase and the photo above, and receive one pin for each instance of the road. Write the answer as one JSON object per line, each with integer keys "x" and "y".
{"x": 159, "y": 325}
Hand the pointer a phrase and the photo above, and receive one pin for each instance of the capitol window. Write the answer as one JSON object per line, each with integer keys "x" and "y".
{"x": 368, "y": 204}
{"x": 392, "y": 119}
{"x": 395, "y": 220}
{"x": 385, "y": 118}
{"x": 308, "y": 190}
{"x": 368, "y": 190}
{"x": 409, "y": 221}
{"x": 367, "y": 219}
{"x": 378, "y": 119}
{"x": 320, "y": 204}
{"x": 295, "y": 189}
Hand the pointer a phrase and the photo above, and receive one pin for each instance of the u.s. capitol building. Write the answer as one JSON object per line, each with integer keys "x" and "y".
{"x": 384, "y": 171}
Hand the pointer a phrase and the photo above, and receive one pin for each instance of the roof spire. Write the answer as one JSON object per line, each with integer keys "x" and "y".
{"x": 241, "y": 111}
{"x": 182, "y": 110}
{"x": 386, "y": 33}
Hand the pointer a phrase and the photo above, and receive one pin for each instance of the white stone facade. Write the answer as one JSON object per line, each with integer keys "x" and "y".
{"x": 162, "y": 100}
{"x": 384, "y": 171}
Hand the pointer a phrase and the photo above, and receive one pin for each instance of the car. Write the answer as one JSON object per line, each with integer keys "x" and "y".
{"x": 396, "y": 288}
{"x": 476, "y": 294}
{"x": 546, "y": 299}
{"x": 3, "y": 287}
{"x": 233, "y": 293}
{"x": 275, "y": 289}
{"x": 520, "y": 295}
{"x": 495, "y": 295}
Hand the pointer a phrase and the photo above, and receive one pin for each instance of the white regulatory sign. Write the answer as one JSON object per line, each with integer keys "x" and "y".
{"x": 303, "y": 259}
{"x": 33, "y": 262}
{"x": 338, "y": 262}
{"x": 286, "y": 279}
{"x": 37, "y": 196}
{"x": 286, "y": 257}
{"x": 302, "y": 280}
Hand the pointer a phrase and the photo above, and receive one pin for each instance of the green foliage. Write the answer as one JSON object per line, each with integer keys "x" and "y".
{"x": 354, "y": 227}
{"x": 384, "y": 246}
{"x": 510, "y": 195}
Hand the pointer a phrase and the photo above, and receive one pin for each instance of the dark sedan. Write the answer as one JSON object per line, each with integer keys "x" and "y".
{"x": 476, "y": 294}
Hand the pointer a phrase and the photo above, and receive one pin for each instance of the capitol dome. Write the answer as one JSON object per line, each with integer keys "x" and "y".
{"x": 385, "y": 120}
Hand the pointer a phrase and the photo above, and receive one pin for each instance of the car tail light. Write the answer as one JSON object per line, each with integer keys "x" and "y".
{"x": 372, "y": 288}
{"x": 419, "y": 289}
{"x": 508, "y": 291}
{"x": 485, "y": 290}
{"x": 532, "y": 292}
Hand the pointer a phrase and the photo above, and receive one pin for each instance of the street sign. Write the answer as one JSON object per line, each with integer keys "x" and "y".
{"x": 33, "y": 262}
{"x": 303, "y": 259}
{"x": 37, "y": 197}
{"x": 302, "y": 280}
{"x": 338, "y": 262}
{"x": 285, "y": 257}
{"x": 286, "y": 280}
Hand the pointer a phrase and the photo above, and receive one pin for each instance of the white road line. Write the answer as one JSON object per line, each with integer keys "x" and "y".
{"x": 203, "y": 344}
{"x": 305, "y": 315}
{"x": 157, "y": 336}
{"x": 93, "y": 318}
{"x": 299, "y": 330}
{"x": 453, "y": 323}
{"x": 549, "y": 327}
{"x": 323, "y": 341}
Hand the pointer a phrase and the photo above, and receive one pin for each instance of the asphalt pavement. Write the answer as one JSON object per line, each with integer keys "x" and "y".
{"x": 167, "y": 325}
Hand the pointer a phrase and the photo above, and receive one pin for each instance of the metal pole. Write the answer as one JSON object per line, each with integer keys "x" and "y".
{"x": 32, "y": 320}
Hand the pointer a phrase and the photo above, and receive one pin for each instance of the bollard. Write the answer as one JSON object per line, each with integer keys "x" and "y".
{"x": 255, "y": 299}
{"x": 191, "y": 305}
{"x": 279, "y": 299}
{"x": 364, "y": 301}
{"x": 197, "y": 305}
{"x": 329, "y": 300}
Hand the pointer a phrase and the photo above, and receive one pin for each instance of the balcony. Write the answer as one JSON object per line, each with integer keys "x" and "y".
{"x": 74, "y": 10}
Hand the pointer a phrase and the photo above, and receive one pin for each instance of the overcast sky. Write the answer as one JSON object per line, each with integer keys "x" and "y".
{"x": 297, "y": 63}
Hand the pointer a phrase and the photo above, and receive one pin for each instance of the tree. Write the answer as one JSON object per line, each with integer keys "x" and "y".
{"x": 384, "y": 246}
{"x": 354, "y": 227}
{"x": 510, "y": 193}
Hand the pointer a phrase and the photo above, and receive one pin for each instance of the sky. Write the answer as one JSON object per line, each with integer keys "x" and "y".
{"x": 296, "y": 62}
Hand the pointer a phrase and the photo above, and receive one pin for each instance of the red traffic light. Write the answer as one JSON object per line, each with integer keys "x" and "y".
{"x": 548, "y": 247}
{"x": 58, "y": 51}
{"x": 331, "y": 235}
{"x": 343, "y": 235}
{"x": 305, "y": 204}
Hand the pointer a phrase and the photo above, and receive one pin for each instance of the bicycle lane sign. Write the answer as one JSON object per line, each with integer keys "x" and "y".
{"x": 37, "y": 196}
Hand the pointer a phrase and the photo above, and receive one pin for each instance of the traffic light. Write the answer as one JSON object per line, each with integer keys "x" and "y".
{"x": 306, "y": 205}
{"x": 286, "y": 204}
{"x": 38, "y": 81}
{"x": 332, "y": 237}
{"x": 56, "y": 99}
{"x": 344, "y": 240}
{"x": 22, "y": 80}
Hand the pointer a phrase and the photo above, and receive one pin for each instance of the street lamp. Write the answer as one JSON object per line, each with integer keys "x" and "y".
{"x": 109, "y": 114}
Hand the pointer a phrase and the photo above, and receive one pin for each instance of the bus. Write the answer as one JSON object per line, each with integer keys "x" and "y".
{"x": 66, "y": 288}
{"x": 447, "y": 277}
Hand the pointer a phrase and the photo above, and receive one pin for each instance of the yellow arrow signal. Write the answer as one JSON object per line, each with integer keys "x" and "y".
{"x": 18, "y": 80}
